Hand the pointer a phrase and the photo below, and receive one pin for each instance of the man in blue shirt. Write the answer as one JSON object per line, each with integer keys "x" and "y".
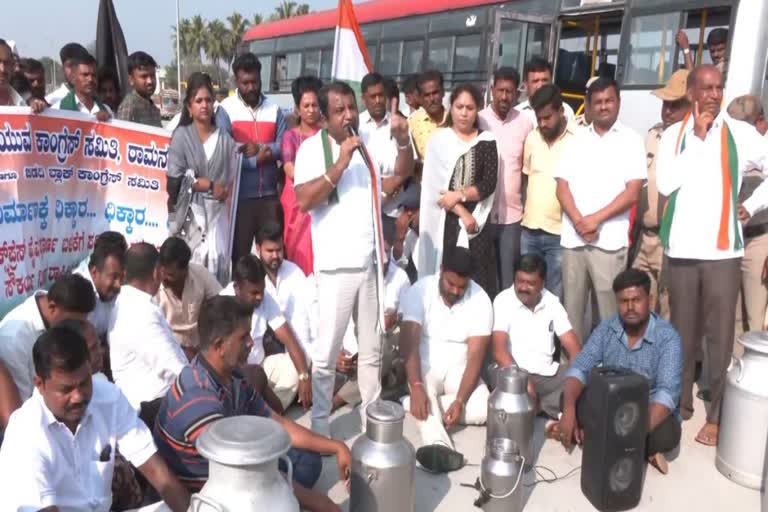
{"x": 640, "y": 341}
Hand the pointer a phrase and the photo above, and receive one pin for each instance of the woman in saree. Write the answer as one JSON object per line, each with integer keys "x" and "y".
{"x": 297, "y": 230}
{"x": 202, "y": 175}
{"x": 460, "y": 168}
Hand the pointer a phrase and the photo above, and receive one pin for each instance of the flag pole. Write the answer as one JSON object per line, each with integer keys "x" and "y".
{"x": 178, "y": 53}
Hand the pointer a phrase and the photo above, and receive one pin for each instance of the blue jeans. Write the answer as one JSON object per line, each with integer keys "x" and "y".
{"x": 307, "y": 467}
{"x": 546, "y": 245}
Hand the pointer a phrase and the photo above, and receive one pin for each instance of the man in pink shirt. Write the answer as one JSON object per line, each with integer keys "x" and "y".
{"x": 510, "y": 127}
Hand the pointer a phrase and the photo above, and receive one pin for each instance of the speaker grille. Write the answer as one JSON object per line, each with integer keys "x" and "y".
{"x": 626, "y": 418}
{"x": 621, "y": 474}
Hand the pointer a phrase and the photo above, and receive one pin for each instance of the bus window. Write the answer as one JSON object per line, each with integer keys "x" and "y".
{"x": 287, "y": 68}
{"x": 698, "y": 24}
{"x": 538, "y": 40}
{"x": 390, "y": 59}
{"x": 440, "y": 54}
{"x": 413, "y": 52}
{"x": 652, "y": 48}
{"x": 371, "y": 47}
{"x": 266, "y": 71}
{"x": 589, "y": 46}
{"x": 326, "y": 64}
{"x": 510, "y": 43}
{"x": 312, "y": 63}
{"x": 465, "y": 61}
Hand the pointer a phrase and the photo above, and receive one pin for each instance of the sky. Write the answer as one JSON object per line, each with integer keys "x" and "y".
{"x": 41, "y": 27}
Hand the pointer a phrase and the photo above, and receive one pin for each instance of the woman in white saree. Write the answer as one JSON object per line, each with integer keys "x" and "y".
{"x": 203, "y": 172}
{"x": 458, "y": 186}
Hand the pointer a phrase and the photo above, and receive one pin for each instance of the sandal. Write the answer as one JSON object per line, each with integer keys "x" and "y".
{"x": 708, "y": 434}
{"x": 438, "y": 458}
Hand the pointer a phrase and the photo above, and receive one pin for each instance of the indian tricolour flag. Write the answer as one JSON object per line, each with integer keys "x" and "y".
{"x": 350, "y": 56}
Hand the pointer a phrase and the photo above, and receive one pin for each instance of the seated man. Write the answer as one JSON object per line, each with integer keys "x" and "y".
{"x": 70, "y": 296}
{"x": 59, "y": 449}
{"x": 105, "y": 269}
{"x": 212, "y": 387}
{"x": 636, "y": 340}
{"x": 145, "y": 356}
{"x": 286, "y": 283}
{"x": 526, "y": 319}
{"x": 446, "y": 330}
{"x": 288, "y": 372}
{"x": 185, "y": 286}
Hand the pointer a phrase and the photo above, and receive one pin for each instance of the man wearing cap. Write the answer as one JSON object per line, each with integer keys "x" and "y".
{"x": 754, "y": 293}
{"x": 648, "y": 251}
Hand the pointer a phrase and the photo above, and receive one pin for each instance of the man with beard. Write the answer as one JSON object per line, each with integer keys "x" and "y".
{"x": 213, "y": 387}
{"x": 334, "y": 183}
{"x": 542, "y": 215}
{"x": 444, "y": 336}
{"x": 138, "y": 106}
{"x": 599, "y": 178}
{"x": 649, "y": 251}
{"x": 538, "y": 73}
{"x": 59, "y": 448}
{"x": 510, "y": 128}
{"x": 701, "y": 164}
{"x": 35, "y": 72}
{"x": 642, "y": 342}
{"x": 82, "y": 98}
{"x": 526, "y": 319}
{"x": 287, "y": 372}
{"x": 257, "y": 125}
{"x": 68, "y": 54}
{"x": 105, "y": 270}
{"x": 183, "y": 289}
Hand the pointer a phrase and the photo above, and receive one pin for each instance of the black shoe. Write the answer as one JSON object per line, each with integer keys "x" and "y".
{"x": 438, "y": 458}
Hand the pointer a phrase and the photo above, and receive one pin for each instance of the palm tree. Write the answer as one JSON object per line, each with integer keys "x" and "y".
{"x": 198, "y": 37}
{"x": 301, "y": 10}
{"x": 184, "y": 30}
{"x": 257, "y": 19}
{"x": 286, "y": 9}
{"x": 237, "y": 27}
{"x": 216, "y": 44}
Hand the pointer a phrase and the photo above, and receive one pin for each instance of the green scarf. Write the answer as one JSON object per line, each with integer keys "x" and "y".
{"x": 333, "y": 197}
{"x": 69, "y": 102}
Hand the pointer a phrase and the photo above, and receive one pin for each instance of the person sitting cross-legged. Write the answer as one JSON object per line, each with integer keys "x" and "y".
{"x": 642, "y": 342}
{"x": 213, "y": 387}
{"x": 445, "y": 333}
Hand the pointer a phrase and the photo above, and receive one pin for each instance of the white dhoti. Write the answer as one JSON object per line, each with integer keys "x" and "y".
{"x": 283, "y": 377}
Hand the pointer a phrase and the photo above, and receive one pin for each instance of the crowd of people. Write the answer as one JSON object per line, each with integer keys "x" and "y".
{"x": 512, "y": 233}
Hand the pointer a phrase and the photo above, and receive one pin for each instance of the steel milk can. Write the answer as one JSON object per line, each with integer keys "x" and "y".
{"x": 501, "y": 473}
{"x": 744, "y": 417}
{"x": 383, "y": 463}
{"x": 510, "y": 411}
{"x": 243, "y": 452}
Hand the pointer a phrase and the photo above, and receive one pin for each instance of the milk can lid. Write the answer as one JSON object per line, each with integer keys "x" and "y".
{"x": 384, "y": 411}
{"x": 755, "y": 340}
{"x": 243, "y": 440}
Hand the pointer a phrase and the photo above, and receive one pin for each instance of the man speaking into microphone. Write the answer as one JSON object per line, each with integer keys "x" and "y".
{"x": 339, "y": 183}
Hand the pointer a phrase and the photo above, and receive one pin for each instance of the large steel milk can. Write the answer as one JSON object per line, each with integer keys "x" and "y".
{"x": 383, "y": 463}
{"x": 510, "y": 411}
{"x": 741, "y": 446}
{"x": 501, "y": 486}
{"x": 243, "y": 452}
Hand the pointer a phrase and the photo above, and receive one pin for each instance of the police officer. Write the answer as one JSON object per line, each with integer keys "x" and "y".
{"x": 647, "y": 253}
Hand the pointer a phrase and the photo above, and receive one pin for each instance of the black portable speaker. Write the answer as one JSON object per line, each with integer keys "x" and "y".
{"x": 613, "y": 413}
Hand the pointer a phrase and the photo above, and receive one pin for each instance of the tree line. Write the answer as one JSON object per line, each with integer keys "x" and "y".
{"x": 210, "y": 45}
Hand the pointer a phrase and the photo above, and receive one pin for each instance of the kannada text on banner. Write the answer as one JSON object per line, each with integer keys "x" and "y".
{"x": 65, "y": 178}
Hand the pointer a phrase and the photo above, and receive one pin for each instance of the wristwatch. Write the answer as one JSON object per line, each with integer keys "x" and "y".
{"x": 303, "y": 377}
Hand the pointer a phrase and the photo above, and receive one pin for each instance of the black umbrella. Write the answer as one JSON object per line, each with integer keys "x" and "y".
{"x": 111, "y": 51}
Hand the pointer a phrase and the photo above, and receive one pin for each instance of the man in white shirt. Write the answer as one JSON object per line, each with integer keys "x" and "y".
{"x": 538, "y": 72}
{"x": 599, "y": 178}
{"x": 59, "y": 447}
{"x": 105, "y": 270}
{"x": 288, "y": 372}
{"x": 701, "y": 163}
{"x": 145, "y": 356}
{"x": 70, "y": 296}
{"x": 334, "y": 184}
{"x": 445, "y": 333}
{"x": 526, "y": 319}
{"x": 67, "y": 53}
{"x": 82, "y": 98}
{"x": 287, "y": 284}
{"x": 9, "y": 97}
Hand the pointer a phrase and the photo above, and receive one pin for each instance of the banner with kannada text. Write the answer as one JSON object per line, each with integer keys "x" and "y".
{"x": 65, "y": 178}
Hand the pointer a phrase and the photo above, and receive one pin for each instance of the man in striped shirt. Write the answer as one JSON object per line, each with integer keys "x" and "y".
{"x": 212, "y": 388}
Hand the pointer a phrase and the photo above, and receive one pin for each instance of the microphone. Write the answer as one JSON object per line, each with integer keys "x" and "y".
{"x": 361, "y": 149}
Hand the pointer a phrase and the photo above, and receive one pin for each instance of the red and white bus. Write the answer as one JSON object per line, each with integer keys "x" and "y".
{"x": 632, "y": 40}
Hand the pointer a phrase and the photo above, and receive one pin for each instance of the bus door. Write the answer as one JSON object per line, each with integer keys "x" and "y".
{"x": 518, "y": 37}
{"x": 589, "y": 36}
